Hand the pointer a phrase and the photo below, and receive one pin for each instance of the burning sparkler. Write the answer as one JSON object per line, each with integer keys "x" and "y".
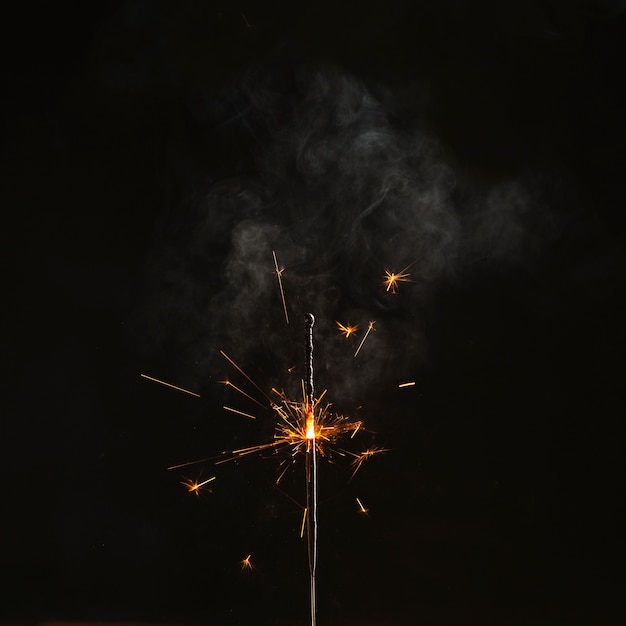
{"x": 305, "y": 427}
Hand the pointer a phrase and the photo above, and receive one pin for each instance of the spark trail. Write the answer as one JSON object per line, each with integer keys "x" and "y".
{"x": 279, "y": 274}
{"x": 370, "y": 328}
{"x": 162, "y": 382}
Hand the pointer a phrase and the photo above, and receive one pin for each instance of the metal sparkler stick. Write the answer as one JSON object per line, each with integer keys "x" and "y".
{"x": 311, "y": 464}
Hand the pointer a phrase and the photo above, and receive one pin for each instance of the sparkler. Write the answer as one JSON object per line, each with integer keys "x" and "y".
{"x": 302, "y": 427}
{"x": 311, "y": 465}
{"x": 305, "y": 427}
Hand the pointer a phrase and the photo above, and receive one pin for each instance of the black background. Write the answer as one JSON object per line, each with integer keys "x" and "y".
{"x": 502, "y": 498}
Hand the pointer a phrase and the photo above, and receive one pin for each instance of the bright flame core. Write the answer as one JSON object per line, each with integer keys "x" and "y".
{"x": 310, "y": 424}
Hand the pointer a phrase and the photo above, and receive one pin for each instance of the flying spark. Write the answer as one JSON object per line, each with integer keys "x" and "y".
{"x": 346, "y": 330}
{"x": 362, "y": 509}
{"x": 393, "y": 278}
{"x": 162, "y": 382}
{"x": 370, "y": 328}
{"x": 359, "y": 459}
{"x": 279, "y": 274}
{"x": 404, "y": 385}
{"x": 246, "y": 564}
{"x": 193, "y": 486}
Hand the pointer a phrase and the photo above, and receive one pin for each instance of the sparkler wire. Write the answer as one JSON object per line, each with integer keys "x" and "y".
{"x": 311, "y": 466}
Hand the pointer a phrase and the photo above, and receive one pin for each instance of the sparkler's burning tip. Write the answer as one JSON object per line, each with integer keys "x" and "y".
{"x": 346, "y": 329}
{"x": 393, "y": 278}
{"x": 246, "y": 564}
{"x": 405, "y": 385}
{"x": 362, "y": 509}
{"x": 310, "y": 424}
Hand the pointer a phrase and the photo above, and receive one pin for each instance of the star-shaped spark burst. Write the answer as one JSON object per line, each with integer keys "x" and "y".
{"x": 347, "y": 330}
{"x": 393, "y": 278}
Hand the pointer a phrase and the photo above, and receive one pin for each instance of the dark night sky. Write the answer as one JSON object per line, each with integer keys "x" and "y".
{"x": 155, "y": 153}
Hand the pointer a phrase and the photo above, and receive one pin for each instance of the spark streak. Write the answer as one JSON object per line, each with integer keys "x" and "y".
{"x": 193, "y": 486}
{"x": 362, "y": 509}
{"x": 279, "y": 273}
{"x": 370, "y": 327}
{"x": 243, "y": 373}
{"x": 403, "y": 385}
{"x": 162, "y": 382}
{"x": 246, "y": 564}
{"x": 228, "y": 408}
{"x": 243, "y": 393}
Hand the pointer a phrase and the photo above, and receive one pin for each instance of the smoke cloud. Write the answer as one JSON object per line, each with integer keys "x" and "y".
{"x": 340, "y": 194}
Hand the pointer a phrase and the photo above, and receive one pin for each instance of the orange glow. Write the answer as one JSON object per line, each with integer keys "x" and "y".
{"x": 310, "y": 424}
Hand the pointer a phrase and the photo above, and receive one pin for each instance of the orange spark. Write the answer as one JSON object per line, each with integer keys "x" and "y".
{"x": 243, "y": 373}
{"x": 362, "y": 509}
{"x": 193, "y": 486}
{"x": 228, "y": 408}
{"x": 393, "y": 278}
{"x": 162, "y": 382}
{"x": 346, "y": 330}
{"x": 243, "y": 393}
{"x": 304, "y": 513}
{"x": 246, "y": 564}
{"x": 359, "y": 459}
{"x": 403, "y": 385}
{"x": 279, "y": 273}
{"x": 370, "y": 328}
